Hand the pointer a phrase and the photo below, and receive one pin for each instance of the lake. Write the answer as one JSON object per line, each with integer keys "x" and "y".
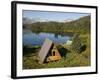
{"x": 34, "y": 39}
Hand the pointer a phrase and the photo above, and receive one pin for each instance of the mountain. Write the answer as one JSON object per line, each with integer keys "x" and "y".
{"x": 81, "y": 25}
{"x": 30, "y": 21}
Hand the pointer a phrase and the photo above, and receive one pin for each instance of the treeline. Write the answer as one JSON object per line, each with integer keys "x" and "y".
{"x": 81, "y": 25}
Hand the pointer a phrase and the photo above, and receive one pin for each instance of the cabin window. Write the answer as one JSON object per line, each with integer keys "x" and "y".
{"x": 53, "y": 53}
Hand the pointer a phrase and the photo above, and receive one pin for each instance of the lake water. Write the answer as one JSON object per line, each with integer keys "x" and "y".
{"x": 30, "y": 38}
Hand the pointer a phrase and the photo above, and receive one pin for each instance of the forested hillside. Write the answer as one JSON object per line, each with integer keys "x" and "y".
{"x": 81, "y": 25}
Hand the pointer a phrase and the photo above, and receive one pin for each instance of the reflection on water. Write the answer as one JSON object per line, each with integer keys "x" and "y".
{"x": 30, "y": 38}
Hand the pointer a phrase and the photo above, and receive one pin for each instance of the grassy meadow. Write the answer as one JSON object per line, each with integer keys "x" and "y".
{"x": 70, "y": 57}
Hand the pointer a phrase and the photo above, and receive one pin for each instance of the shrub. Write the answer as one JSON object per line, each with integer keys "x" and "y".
{"x": 76, "y": 44}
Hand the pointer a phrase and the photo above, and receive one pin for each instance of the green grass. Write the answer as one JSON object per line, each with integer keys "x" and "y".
{"x": 70, "y": 58}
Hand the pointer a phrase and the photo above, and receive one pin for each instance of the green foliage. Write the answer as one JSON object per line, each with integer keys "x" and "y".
{"x": 81, "y": 44}
{"x": 70, "y": 59}
{"x": 76, "y": 44}
{"x": 81, "y": 25}
{"x": 30, "y": 49}
{"x": 30, "y": 61}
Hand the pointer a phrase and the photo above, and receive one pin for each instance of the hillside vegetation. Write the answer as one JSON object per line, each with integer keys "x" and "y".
{"x": 72, "y": 58}
{"x": 81, "y": 25}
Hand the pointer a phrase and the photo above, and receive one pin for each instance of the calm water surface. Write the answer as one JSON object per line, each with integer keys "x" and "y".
{"x": 30, "y": 38}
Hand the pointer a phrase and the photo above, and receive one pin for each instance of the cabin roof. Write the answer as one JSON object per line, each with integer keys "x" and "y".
{"x": 45, "y": 49}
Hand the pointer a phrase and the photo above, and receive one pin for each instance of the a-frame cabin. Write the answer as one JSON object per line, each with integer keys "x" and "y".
{"x": 49, "y": 52}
